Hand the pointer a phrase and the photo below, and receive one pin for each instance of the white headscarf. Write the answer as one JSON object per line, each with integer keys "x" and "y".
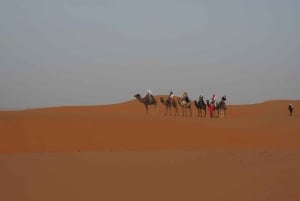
{"x": 149, "y": 91}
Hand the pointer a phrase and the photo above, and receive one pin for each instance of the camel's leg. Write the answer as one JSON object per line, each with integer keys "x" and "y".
{"x": 175, "y": 111}
{"x": 221, "y": 114}
{"x": 214, "y": 113}
{"x": 146, "y": 106}
{"x": 217, "y": 113}
{"x": 170, "y": 111}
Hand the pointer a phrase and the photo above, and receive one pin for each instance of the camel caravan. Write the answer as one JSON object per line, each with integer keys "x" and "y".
{"x": 217, "y": 109}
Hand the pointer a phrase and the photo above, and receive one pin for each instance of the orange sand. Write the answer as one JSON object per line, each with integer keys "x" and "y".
{"x": 117, "y": 152}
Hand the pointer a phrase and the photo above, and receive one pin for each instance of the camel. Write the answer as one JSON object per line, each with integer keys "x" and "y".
{"x": 169, "y": 106}
{"x": 146, "y": 101}
{"x": 200, "y": 105}
{"x": 185, "y": 106}
{"x": 221, "y": 109}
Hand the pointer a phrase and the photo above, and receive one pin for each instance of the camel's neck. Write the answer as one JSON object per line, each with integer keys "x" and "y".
{"x": 140, "y": 99}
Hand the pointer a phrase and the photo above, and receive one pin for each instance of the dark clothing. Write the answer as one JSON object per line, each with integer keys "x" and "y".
{"x": 186, "y": 99}
{"x": 291, "y": 109}
{"x": 201, "y": 100}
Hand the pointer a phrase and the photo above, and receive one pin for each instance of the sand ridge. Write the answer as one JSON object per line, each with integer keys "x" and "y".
{"x": 125, "y": 126}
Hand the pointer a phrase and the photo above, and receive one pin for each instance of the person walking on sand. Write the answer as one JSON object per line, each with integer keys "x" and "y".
{"x": 291, "y": 108}
{"x": 211, "y": 109}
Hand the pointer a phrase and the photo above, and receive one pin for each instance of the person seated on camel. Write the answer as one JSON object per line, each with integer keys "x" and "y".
{"x": 170, "y": 97}
{"x": 222, "y": 103}
{"x": 201, "y": 99}
{"x": 185, "y": 98}
{"x": 150, "y": 95}
{"x": 223, "y": 98}
{"x": 214, "y": 98}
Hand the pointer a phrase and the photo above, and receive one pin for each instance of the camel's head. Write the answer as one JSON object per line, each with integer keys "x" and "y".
{"x": 196, "y": 103}
{"x": 137, "y": 95}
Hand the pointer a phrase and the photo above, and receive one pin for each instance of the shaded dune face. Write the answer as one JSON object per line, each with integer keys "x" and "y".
{"x": 126, "y": 126}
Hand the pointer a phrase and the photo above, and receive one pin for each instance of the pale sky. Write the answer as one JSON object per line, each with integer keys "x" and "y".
{"x": 88, "y": 52}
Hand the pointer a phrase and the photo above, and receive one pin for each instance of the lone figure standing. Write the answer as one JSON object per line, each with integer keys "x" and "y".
{"x": 291, "y": 108}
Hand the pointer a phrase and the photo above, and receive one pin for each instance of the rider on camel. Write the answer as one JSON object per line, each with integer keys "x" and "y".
{"x": 185, "y": 97}
{"x": 214, "y": 98}
{"x": 170, "y": 97}
{"x": 150, "y": 95}
{"x": 224, "y": 98}
{"x": 201, "y": 98}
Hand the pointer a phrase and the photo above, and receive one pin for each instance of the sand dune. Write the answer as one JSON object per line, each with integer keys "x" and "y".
{"x": 117, "y": 152}
{"x": 173, "y": 175}
{"x": 126, "y": 126}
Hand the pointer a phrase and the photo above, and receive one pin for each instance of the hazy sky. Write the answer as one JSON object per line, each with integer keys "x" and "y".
{"x": 82, "y": 52}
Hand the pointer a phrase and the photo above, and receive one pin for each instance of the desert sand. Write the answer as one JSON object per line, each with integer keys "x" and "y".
{"x": 118, "y": 152}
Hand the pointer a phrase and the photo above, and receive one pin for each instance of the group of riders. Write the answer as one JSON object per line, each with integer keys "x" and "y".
{"x": 186, "y": 100}
{"x": 211, "y": 104}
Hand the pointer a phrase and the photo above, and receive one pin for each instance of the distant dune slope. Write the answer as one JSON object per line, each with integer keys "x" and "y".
{"x": 125, "y": 126}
